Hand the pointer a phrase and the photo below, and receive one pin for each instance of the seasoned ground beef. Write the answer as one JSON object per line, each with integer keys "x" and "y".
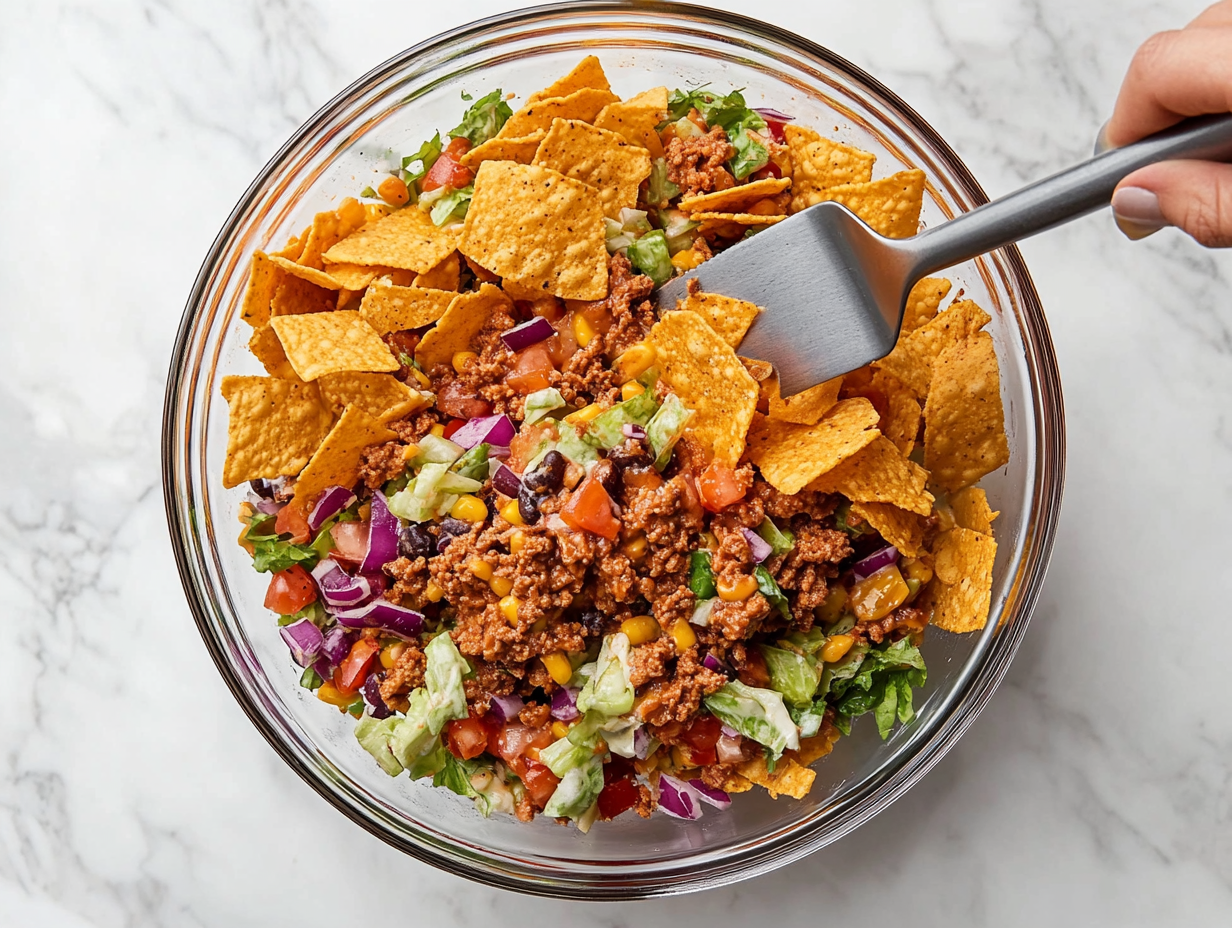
{"x": 410, "y": 580}
{"x": 484, "y": 377}
{"x": 649, "y": 661}
{"x": 416, "y": 426}
{"x": 817, "y": 506}
{"x": 536, "y": 715}
{"x": 805, "y": 568}
{"x": 678, "y": 697}
{"x": 406, "y": 674}
{"x": 381, "y": 463}
{"x": 902, "y": 620}
{"x": 695, "y": 164}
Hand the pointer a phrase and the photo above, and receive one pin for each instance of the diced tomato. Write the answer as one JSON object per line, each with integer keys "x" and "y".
{"x": 452, "y": 426}
{"x": 563, "y": 344}
{"x": 292, "y": 521}
{"x": 448, "y": 170}
{"x": 774, "y": 129}
{"x": 619, "y": 792}
{"x": 354, "y": 668}
{"x": 590, "y": 509}
{"x": 696, "y": 118}
{"x": 466, "y": 738}
{"x": 457, "y": 400}
{"x": 540, "y": 782}
{"x": 700, "y": 739}
{"x": 720, "y": 487}
{"x": 532, "y": 369}
{"x": 525, "y": 444}
{"x": 515, "y": 740}
{"x": 290, "y": 591}
{"x": 350, "y": 541}
{"x": 404, "y": 342}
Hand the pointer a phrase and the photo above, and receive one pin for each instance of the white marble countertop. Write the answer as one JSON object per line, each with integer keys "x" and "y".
{"x": 1096, "y": 788}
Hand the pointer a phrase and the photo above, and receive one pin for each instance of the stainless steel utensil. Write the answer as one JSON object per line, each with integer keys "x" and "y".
{"x": 833, "y": 290}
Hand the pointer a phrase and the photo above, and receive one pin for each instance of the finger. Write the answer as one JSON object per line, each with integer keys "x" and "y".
{"x": 1219, "y": 14}
{"x": 1195, "y": 196}
{"x": 1173, "y": 75}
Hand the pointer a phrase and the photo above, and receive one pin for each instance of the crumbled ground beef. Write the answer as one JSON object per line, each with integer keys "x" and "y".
{"x": 484, "y": 377}
{"x": 678, "y": 697}
{"x": 739, "y": 620}
{"x": 378, "y": 464}
{"x": 817, "y": 506}
{"x": 406, "y": 674}
{"x": 902, "y": 619}
{"x": 415, "y": 427}
{"x": 535, "y": 715}
{"x": 410, "y": 580}
{"x": 696, "y": 164}
{"x": 648, "y": 661}
{"x": 805, "y": 568}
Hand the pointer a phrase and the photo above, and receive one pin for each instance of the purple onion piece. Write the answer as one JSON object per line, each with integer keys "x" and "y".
{"x": 304, "y": 639}
{"x": 528, "y": 333}
{"x": 495, "y": 430}
{"x": 371, "y": 691}
{"x": 332, "y": 502}
{"x": 564, "y": 704}
{"x": 337, "y": 587}
{"x": 498, "y": 451}
{"x": 875, "y": 562}
{"x": 758, "y": 546}
{"x": 506, "y": 708}
{"x": 710, "y": 795}
{"x": 728, "y": 750}
{"x": 766, "y": 113}
{"x": 381, "y": 613}
{"x": 729, "y": 732}
{"x": 323, "y": 667}
{"x": 633, "y": 430}
{"x": 641, "y": 743}
{"x": 506, "y": 481}
{"x": 710, "y": 662}
{"x": 678, "y": 799}
{"x": 382, "y": 536}
{"x": 337, "y": 645}
{"x": 269, "y": 507}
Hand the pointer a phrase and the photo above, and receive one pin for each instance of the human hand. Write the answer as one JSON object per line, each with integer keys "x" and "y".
{"x": 1185, "y": 72}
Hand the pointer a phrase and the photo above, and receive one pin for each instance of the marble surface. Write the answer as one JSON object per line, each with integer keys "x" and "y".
{"x": 1096, "y": 788}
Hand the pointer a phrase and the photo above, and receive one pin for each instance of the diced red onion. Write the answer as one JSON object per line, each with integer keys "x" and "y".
{"x": 564, "y": 704}
{"x": 337, "y": 587}
{"x": 710, "y": 662}
{"x": 381, "y": 613}
{"x": 371, "y": 691}
{"x": 506, "y": 708}
{"x": 766, "y": 113}
{"x": 506, "y": 481}
{"x": 304, "y": 639}
{"x": 498, "y": 451}
{"x": 323, "y": 667}
{"x": 728, "y": 751}
{"x": 332, "y": 502}
{"x": 875, "y": 561}
{"x": 641, "y": 743}
{"x": 678, "y": 799}
{"x": 633, "y": 430}
{"x": 382, "y": 536}
{"x": 495, "y": 430}
{"x": 728, "y": 732}
{"x": 337, "y": 646}
{"x": 267, "y": 506}
{"x": 758, "y": 546}
{"x": 710, "y": 795}
{"x": 528, "y": 333}
{"x": 377, "y": 580}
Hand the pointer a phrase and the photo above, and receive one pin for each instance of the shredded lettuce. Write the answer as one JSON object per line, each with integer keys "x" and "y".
{"x": 570, "y": 444}
{"x": 411, "y": 737}
{"x": 374, "y": 736}
{"x": 428, "y": 152}
{"x": 660, "y": 190}
{"x": 882, "y": 684}
{"x": 609, "y": 690}
{"x": 622, "y": 233}
{"x": 781, "y": 541}
{"x": 679, "y": 230}
{"x": 443, "y": 679}
{"x": 769, "y": 589}
{"x": 452, "y": 206}
{"x": 577, "y": 791}
{"x": 542, "y": 402}
{"x": 436, "y": 450}
{"x": 428, "y": 495}
{"x": 702, "y": 610}
{"x": 474, "y": 464}
{"x": 701, "y": 575}
{"x": 618, "y": 733}
{"x": 794, "y": 675}
{"x": 483, "y": 120}
{"x": 665, "y": 428}
{"x": 271, "y": 555}
{"x": 808, "y": 718}
{"x": 563, "y": 755}
{"x": 756, "y": 713}
{"x": 606, "y": 430}
{"x": 650, "y": 255}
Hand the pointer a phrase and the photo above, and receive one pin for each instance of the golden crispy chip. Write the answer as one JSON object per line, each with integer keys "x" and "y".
{"x": 803, "y": 408}
{"x": 587, "y": 73}
{"x": 818, "y": 746}
{"x": 322, "y": 343}
{"x": 901, "y": 421}
{"x": 310, "y": 274}
{"x": 330, "y": 228}
{"x": 705, "y": 373}
{"x": 922, "y": 303}
{"x": 636, "y": 118}
{"x": 761, "y": 371}
{"x": 539, "y": 227}
{"x": 445, "y": 276}
{"x": 735, "y": 199}
{"x": 903, "y": 529}
{"x": 971, "y": 510}
{"x": 729, "y": 318}
{"x": 263, "y": 279}
{"x": 267, "y": 349}
{"x": 294, "y": 247}
{"x": 597, "y": 157}
{"x": 336, "y": 461}
{"x": 381, "y": 396}
{"x": 505, "y": 149}
{"x": 584, "y": 104}
{"x": 355, "y": 276}
{"x": 403, "y": 239}
{"x": 912, "y": 359}
{"x": 791, "y": 456}
{"x": 273, "y": 427}
{"x": 735, "y": 783}
{"x": 890, "y": 206}
{"x": 462, "y": 321}
{"x": 789, "y": 778}
{"x": 964, "y": 425}
{"x": 879, "y": 473}
{"x": 740, "y": 219}
{"x": 389, "y": 308}
{"x": 295, "y": 296}
{"x": 961, "y": 591}
{"x": 820, "y": 164}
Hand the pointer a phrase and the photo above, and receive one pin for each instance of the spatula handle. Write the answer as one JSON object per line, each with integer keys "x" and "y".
{"x": 1064, "y": 196}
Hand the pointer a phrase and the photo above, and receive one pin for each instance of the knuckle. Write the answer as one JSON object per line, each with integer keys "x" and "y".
{"x": 1152, "y": 52}
{"x": 1208, "y": 219}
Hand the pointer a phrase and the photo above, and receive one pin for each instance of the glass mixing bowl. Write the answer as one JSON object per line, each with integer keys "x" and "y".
{"x": 333, "y": 155}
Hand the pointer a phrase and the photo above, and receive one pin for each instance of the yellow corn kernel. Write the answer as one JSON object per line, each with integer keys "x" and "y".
{"x": 421, "y": 378}
{"x": 915, "y": 569}
{"x": 511, "y": 514}
{"x": 678, "y": 760}
{"x": 246, "y": 511}
{"x": 469, "y": 509}
{"x": 634, "y": 362}
{"x": 365, "y": 512}
{"x": 391, "y": 653}
{"x": 835, "y": 648}
{"x": 560, "y": 729}
{"x": 833, "y": 606}
{"x": 480, "y": 568}
{"x": 329, "y": 693}
{"x": 463, "y": 358}
{"x": 433, "y": 593}
{"x": 635, "y": 548}
{"x": 583, "y": 331}
{"x": 877, "y": 596}
{"x": 516, "y": 541}
{"x": 438, "y": 430}
{"x": 684, "y": 636}
{"x": 533, "y": 754}
{"x": 631, "y": 389}
{"x": 509, "y": 608}
{"x": 540, "y": 624}
{"x": 585, "y": 414}
{"x": 736, "y": 591}
{"x": 558, "y": 666}
{"x": 686, "y": 260}
{"x": 410, "y": 452}
{"x": 640, "y": 629}
{"x": 501, "y": 586}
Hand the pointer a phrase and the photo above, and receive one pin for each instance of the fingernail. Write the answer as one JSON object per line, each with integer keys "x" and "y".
{"x": 1137, "y": 212}
{"x": 1101, "y": 140}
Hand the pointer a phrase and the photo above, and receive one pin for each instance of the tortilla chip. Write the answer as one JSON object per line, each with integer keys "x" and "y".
{"x": 381, "y": 396}
{"x": 263, "y": 279}
{"x": 971, "y": 510}
{"x": 740, "y": 219}
{"x": 466, "y": 315}
{"x": 791, "y": 456}
{"x": 406, "y": 239}
{"x": 802, "y": 408}
{"x": 336, "y": 461}
{"x": 272, "y": 429}
{"x": 597, "y": 157}
{"x": 964, "y": 424}
{"x": 330, "y": 228}
{"x": 705, "y": 373}
{"x": 521, "y": 150}
{"x": 588, "y": 73}
{"x": 323, "y": 343}
{"x": 913, "y": 357}
{"x": 922, "y": 303}
{"x": 295, "y": 296}
{"x": 735, "y": 199}
{"x": 903, "y": 529}
{"x": 636, "y": 118}
{"x": 879, "y": 473}
{"x": 818, "y": 746}
{"x": 584, "y": 104}
{"x": 539, "y": 227}
{"x": 890, "y": 206}
{"x": 789, "y": 778}
{"x": 294, "y": 247}
{"x": 310, "y": 274}
{"x": 389, "y": 308}
{"x": 901, "y": 421}
{"x": 355, "y": 277}
{"x": 761, "y": 371}
{"x": 267, "y": 349}
{"x": 729, "y": 318}
{"x": 820, "y": 164}
{"x": 961, "y": 591}
{"x": 445, "y": 276}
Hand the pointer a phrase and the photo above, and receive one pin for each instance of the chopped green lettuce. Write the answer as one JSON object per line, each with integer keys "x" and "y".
{"x": 666, "y": 427}
{"x": 563, "y": 755}
{"x": 794, "y": 675}
{"x": 660, "y": 190}
{"x": 443, "y": 679}
{"x": 609, "y": 690}
{"x": 756, "y": 713}
{"x": 570, "y": 444}
{"x": 474, "y": 464}
{"x": 272, "y": 555}
{"x": 310, "y": 679}
{"x": 542, "y": 402}
{"x": 618, "y": 733}
{"x": 411, "y": 737}
{"x": 780, "y": 541}
{"x": 702, "y": 610}
{"x": 678, "y": 228}
{"x": 436, "y": 450}
{"x": 808, "y": 718}
{"x": 428, "y": 152}
{"x": 428, "y": 495}
{"x": 649, "y": 255}
{"x": 882, "y": 684}
{"x": 606, "y": 430}
{"x": 483, "y": 120}
{"x": 623, "y": 232}
{"x": 577, "y": 791}
{"x": 452, "y": 206}
{"x": 769, "y": 589}
{"x": 701, "y": 575}
{"x": 374, "y": 736}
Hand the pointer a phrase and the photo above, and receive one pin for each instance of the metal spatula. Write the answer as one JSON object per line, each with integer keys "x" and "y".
{"x": 833, "y": 290}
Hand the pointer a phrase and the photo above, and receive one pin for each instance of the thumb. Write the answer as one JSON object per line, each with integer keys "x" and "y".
{"x": 1195, "y": 196}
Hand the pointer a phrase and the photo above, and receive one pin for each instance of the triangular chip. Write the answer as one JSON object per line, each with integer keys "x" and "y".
{"x": 522, "y": 150}
{"x": 971, "y": 510}
{"x": 355, "y": 276}
{"x": 310, "y": 274}
{"x": 903, "y": 529}
{"x": 445, "y": 276}
{"x": 878, "y": 473}
{"x": 789, "y": 778}
{"x": 263, "y": 279}
{"x": 322, "y": 343}
{"x": 330, "y": 228}
{"x": 295, "y": 296}
{"x": 790, "y": 456}
{"x": 732, "y": 225}
{"x": 890, "y": 206}
{"x": 900, "y": 422}
{"x": 964, "y": 424}
{"x": 961, "y": 591}
{"x": 539, "y": 227}
{"x": 912, "y": 359}
{"x": 381, "y": 396}
{"x": 597, "y": 157}
{"x": 818, "y": 746}
{"x": 730, "y": 318}
{"x": 922, "y": 303}
{"x": 588, "y": 73}
{"x": 294, "y": 247}
{"x": 735, "y": 199}
{"x": 820, "y": 164}
{"x": 466, "y": 315}
{"x": 583, "y": 104}
{"x": 267, "y": 349}
{"x": 403, "y": 239}
{"x": 803, "y": 408}
{"x": 636, "y": 119}
{"x": 336, "y": 461}
{"x": 273, "y": 427}
{"x": 798, "y": 136}
{"x": 388, "y": 308}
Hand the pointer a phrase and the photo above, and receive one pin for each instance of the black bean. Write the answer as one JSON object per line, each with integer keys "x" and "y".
{"x": 528, "y": 504}
{"x": 591, "y": 622}
{"x": 446, "y": 531}
{"x": 630, "y": 453}
{"x": 414, "y": 541}
{"x": 263, "y": 488}
{"x": 548, "y": 475}
{"x": 608, "y": 474}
